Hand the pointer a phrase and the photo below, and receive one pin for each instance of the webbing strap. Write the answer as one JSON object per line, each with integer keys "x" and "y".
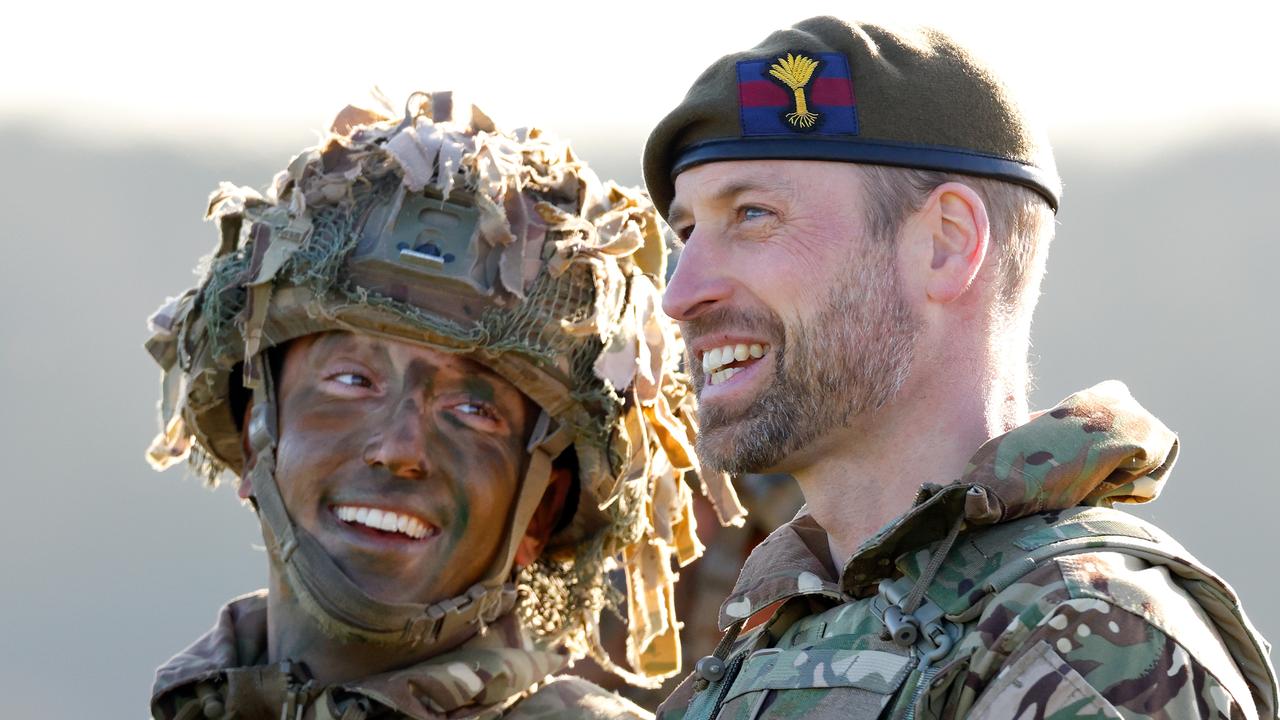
{"x": 545, "y": 445}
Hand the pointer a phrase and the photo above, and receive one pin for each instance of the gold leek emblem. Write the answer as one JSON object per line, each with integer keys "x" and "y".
{"x": 796, "y": 71}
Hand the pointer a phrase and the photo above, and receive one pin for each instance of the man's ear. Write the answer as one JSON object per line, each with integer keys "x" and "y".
{"x": 544, "y": 518}
{"x": 245, "y": 487}
{"x": 956, "y": 218}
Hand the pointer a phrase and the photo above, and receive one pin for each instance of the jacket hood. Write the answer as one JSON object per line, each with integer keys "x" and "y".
{"x": 1097, "y": 447}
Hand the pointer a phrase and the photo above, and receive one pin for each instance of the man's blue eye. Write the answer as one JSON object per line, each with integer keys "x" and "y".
{"x": 754, "y": 213}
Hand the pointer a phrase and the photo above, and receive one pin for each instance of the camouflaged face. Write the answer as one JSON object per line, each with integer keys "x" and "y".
{"x": 1063, "y": 608}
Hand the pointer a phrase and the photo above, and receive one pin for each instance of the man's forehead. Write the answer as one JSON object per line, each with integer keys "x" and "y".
{"x": 719, "y": 181}
{"x": 396, "y": 352}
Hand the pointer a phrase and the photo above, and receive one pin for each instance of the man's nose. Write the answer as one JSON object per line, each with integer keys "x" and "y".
{"x": 400, "y": 444}
{"x": 698, "y": 283}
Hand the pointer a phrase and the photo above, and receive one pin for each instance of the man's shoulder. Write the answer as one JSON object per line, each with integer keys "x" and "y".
{"x": 1095, "y": 557}
{"x": 1083, "y": 552}
{"x": 238, "y": 637}
{"x": 1101, "y": 586}
{"x": 572, "y": 697}
{"x": 1110, "y": 628}
{"x": 1106, "y": 559}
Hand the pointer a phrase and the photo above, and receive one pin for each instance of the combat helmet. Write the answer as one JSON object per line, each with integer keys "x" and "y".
{"x": 502, "y": 246}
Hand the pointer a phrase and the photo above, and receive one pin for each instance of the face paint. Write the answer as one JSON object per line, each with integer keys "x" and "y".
{"x": 479, "y": 388}
{"x": 403, "y": 462}
{"x": 461, "y": 517}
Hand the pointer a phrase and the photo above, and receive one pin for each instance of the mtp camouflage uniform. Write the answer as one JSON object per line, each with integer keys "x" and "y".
{"x": 1015, "y": 592}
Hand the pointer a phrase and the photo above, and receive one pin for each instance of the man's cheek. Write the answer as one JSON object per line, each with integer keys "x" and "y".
{"x": 461, "y": 520}
{"x": 294, "y": 451}
{"x": 487, "y": 481}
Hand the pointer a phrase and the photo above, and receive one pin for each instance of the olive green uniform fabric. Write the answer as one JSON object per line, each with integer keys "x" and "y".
{"x": 496, "y": 674}
{"x": 1097, "y": 632}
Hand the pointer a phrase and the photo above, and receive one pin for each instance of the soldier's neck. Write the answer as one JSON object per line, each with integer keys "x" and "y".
{"x": 864, "y": 476}
{"x": 294, "y": 635}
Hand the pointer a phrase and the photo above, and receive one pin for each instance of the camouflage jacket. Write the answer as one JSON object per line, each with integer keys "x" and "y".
{"x": 498, "y": 674}
{"x": 1039, "y": 601}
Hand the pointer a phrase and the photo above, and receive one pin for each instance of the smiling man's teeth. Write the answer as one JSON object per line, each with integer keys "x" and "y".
{"x": 383, "y": 520}
{"x": 716, "y": 358}
{"x": 723, "y": 375}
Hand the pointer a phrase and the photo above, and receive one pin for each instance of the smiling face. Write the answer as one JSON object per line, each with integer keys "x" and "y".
{"x": 402, "y": 461}
{"x": 791, "y": 311}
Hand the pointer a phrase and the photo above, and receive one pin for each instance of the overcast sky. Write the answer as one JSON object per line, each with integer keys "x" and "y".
{"x": 1132, "y": 74}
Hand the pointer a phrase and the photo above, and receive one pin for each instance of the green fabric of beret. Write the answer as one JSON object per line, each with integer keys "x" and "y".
{"x": 826, "y": 89}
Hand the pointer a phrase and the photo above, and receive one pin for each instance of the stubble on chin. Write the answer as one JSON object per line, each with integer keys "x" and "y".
{"x": 849, "y": 358}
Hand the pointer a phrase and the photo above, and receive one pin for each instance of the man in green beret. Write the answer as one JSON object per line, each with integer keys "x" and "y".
{"x": 866, "y": 215}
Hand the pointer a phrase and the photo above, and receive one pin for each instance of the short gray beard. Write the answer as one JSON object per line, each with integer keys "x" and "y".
{"x": 850, "y": 358}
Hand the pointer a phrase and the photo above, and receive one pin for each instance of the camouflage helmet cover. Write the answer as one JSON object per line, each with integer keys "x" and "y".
{"x": 505, "y": 247}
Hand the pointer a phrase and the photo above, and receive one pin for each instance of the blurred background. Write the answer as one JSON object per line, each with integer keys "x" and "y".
{"x": 117, "y": 119}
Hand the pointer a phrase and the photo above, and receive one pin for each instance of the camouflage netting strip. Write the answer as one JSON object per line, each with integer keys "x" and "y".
{"x": 574, "y": 265}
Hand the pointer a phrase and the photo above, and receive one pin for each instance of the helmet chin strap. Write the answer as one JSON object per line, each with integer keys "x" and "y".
{"x": 341, "y": 607}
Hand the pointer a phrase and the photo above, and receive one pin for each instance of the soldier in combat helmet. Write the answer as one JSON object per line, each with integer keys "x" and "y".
{"x": 432, "y": 355}
{"x": 865, "y": 215}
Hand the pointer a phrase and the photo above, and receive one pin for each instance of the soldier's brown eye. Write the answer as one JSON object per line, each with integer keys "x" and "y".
{"x": 353, "y": 379}
{"x": 477, "y": 408}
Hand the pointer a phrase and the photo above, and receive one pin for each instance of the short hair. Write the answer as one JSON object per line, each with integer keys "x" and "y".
{"x": 1022, "y": 223}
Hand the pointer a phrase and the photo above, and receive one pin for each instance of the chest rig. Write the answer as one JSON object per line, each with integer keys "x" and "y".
{"x": 895, "y": 654}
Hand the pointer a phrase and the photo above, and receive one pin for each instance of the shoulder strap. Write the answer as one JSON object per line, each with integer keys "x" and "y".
{"x": 988, "y": 560}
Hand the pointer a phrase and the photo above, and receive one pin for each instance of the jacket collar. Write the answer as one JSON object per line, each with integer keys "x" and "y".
{"x": 1097, "y": 447}
{"x": 486, "y": 672}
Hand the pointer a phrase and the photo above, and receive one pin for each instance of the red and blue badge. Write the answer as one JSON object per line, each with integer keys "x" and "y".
{"x": 810, "y": 93}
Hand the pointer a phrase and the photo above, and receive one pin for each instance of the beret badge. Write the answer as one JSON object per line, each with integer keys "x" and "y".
{"x": 795, "y": 71}
{"x": 796, "y": 93}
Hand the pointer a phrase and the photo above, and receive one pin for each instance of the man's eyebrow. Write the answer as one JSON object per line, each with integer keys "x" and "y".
{"x": 461, "y": 365}
{"x": 677, "y": 213}
{"x": 475, "y": 367}
{"x": 472, "y": 368}
{"x": 337, "y": 341}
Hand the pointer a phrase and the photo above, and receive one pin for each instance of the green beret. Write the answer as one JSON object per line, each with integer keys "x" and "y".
{"x": 826, "y": 89}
